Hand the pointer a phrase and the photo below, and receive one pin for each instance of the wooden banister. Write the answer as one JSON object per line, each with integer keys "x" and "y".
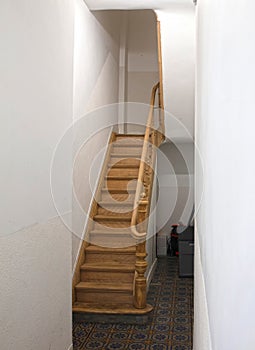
{"x": 141, "y": 210}
{"x": 150, "y": 141}
{"x": 160, "y": 90}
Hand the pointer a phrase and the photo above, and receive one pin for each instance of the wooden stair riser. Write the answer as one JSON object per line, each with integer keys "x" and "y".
{"x": 133, "y": 138}
{"x": 115, "y": 211}
{"x": 103, "y": 297}
{"x": 128, "y": 142}
{"x": 121, "y": 184}
{"x": 117, "y": 162}
{"x": 116, "y": 258}
{"x": 123, "y": 156}
{"x": 121, "y": 197}
{"x": 112, "y": 240}
{"x": 107, "y": 276}
{"x": 128, "y": 205}
{"x": 101, "y": 224}
{"x": 123, "y": 172}
{"x": 136, "y": 151}
{"x": 129, "y": 152}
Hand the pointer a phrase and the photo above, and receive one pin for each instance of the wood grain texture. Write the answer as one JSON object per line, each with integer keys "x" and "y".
{"x": 93, "y": 211}
{"x": 112, "y": 262}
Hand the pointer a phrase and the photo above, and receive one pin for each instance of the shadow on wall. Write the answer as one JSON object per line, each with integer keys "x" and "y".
{"x": 176, "y": 187}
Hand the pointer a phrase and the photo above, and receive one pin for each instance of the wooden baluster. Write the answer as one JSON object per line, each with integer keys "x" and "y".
{"x": 146, "y": 182}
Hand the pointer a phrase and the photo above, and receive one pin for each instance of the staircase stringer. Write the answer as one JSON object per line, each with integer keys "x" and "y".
{"x": 93, "y": 211}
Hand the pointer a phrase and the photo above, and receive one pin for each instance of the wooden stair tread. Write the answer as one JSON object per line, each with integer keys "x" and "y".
{"x": 121, "y": 177}
{"x": 110, "y": 308}
{"x": 107, "y": 287}
{"x": 98, "y": 249}
{"x": 129, "y": 135}
{"x": 112, "y": 231}
{"x": 118, "y": 190}
{"x": 118, "y": 215}
{"x": 116, "y": 203}
{"x": 127, "y": 145}
{"x": 123, "y": 166}
{"x": 125, "y": 155}
{"x": 121, "y": 199}
{"x": 108, "y": 267}
{"x": 128, "y": 159}
{"x": 112, "y": 217}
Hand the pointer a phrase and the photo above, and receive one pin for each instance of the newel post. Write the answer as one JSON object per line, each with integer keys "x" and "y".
{"x": 140, "y": 280}
{"x": 140, "y": 286}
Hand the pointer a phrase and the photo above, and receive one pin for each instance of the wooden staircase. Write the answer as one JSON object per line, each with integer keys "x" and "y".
{"x": 106, "y": 276}
{"x": 109, "y": 276}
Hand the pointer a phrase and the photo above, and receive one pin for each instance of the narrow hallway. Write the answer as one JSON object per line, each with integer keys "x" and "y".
{"x": 169, "y": 326}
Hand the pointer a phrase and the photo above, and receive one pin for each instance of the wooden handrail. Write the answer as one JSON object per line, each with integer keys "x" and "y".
{"x": 160, "y": 91}
{"x": 140, "y": 197}
{"x": 141, "y": 209}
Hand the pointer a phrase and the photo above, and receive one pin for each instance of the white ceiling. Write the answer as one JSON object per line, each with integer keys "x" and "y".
{"x": 133, "y": 4}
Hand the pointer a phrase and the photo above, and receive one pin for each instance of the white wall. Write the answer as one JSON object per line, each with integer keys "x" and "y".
{"x": 132, "y": 4}
{"x": 36, "y": 45}
{"x": 176, "y": 184}
{"x": 96, "y": 69}
{"x": 178, "y": 62}
{"x": 142, "y": 55}
{"x": 96, "y": 58}
{"x": 142, "y": 69}
{"x": 201, "y": 334}
{"x": 225, "y": 136}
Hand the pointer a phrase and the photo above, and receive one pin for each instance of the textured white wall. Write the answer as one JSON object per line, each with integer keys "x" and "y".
{"x": 142, "y": 69}
{"x": 96, "y": 58}
{"x": 178, "y": 64}
{"x": 36, "y": 44}
{"x": 225, "y": 135}
{"x": 201, "y": 336}
{"x": 133, "y": 4}
{"x": 176, "y": 184}
{"x": 96, "y": 78}
{"x": 35, "y": 297}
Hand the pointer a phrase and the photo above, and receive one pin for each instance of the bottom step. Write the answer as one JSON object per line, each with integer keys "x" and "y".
{"x": 110, "y": 313}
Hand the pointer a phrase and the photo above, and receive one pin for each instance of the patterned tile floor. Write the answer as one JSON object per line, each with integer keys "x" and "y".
{"x": 169, "y": 327}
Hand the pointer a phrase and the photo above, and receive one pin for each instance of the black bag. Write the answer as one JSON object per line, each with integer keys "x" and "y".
{"x": 173, "y": 247}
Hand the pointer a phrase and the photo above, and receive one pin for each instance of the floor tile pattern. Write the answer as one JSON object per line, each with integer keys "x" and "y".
{"x": 169, "y": 326}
